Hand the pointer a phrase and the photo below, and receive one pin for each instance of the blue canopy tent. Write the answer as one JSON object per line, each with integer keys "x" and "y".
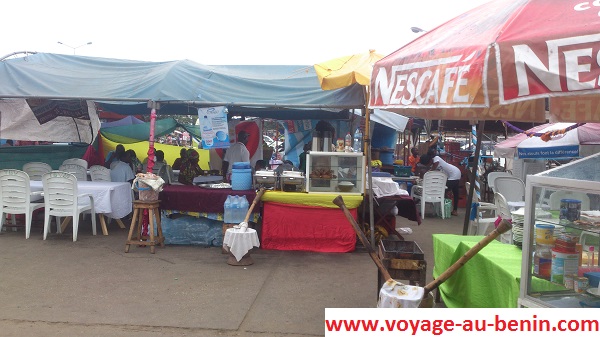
{"x": 180, "y": 87}
{"x": 176, "y": 87}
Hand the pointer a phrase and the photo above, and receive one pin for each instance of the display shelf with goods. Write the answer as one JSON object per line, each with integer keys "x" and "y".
{"x": 561, "y": 236}
{"x": 335, "y": 172}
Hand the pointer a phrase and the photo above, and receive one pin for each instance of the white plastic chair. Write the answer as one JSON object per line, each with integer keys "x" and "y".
{"x": 481, "y": 225}
{"x": 77, "y": 161}
{"x": 77, "y": 170}
{"x": 99, "y": 173}
{"x": 36, "y": 170}
{"x": 16, "y": 197}
{"x": 61, "y": 200}
{"x": 503, "y": 211}
{"x": 432, "y": 190}
{"x": 166, "y": 172}
{"x": 491, "y": 178}
{"x": 512, "y": 188}
{"x": 557, "y": 196}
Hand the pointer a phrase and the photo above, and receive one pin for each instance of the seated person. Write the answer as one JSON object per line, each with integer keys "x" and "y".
{"x": 121, "y": 171}
{"x": 260, "y": 165}
{"x": 159, "y": 161}
{"x": 114, "y": 155}
{"x": 423, "y": 165}
{"x": 135, "y": 164}
{"x": 182, "y": 158}
{"x": 190, "y": 168}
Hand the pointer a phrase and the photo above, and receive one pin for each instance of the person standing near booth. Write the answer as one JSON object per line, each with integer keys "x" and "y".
{"x": 236, "y": 153}
{"x": 413, "y": 159}
{"x": 453, "y": 174}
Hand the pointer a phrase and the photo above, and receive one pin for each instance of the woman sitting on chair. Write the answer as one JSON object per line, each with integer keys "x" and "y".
{"x": 190, "y": 168}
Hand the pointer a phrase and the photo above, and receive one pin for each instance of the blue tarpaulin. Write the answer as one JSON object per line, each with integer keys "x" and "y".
{"x": 125, "y": 86}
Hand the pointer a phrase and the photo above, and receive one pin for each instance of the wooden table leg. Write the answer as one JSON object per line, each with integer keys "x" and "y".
{"x": 65, "y": 223}
{"x": 131, "y": 229}
{"x": 103, "y": 224}
{"x": 159, "y": 233}
{"x": 151, "y": 230}
{"x": 121, "y": 224}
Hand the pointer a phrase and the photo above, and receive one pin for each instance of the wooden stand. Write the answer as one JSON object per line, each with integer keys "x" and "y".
{"x": 136, "y": 225}
{"x": 232, "y": 261}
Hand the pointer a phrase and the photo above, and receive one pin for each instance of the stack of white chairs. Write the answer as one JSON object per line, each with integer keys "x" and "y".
{"x": 99, "y": 173}
{"x": 503, "y": 211}
{"x": 16, "y": 197}
{"x": 77, "y": 161}
{"x": 61, "y": 199}
{"x": 36, "y": 170}
{"x": 77, "y": 170}
{"x": 432, "y": 190}
{"x": 481, "y": 225}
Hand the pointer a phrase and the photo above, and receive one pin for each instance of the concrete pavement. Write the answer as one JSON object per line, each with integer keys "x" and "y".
{"x": 93, "y": 288}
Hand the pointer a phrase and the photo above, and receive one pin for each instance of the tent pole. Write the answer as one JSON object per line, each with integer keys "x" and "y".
{"x": 472, "y": 177}
{"x": 153, "y": 106}
{"x": 367, "y": 137}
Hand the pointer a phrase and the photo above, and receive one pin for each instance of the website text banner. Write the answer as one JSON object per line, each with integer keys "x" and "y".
{"x": 462, "y": 322}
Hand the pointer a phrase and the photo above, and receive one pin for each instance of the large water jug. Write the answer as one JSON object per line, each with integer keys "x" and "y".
{"x": 241, "y": 179}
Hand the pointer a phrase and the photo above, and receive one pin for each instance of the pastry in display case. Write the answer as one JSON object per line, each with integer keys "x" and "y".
{"x": 561, "y": 237}
{"x": 335, "y": 172}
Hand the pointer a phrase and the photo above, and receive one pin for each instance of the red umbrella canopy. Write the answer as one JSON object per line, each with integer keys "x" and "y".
{"x": 499, "y": 61}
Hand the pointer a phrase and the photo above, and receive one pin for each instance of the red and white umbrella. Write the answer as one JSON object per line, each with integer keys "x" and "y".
{"x": 552, "y": 141}
{"x": 499, "y": 61}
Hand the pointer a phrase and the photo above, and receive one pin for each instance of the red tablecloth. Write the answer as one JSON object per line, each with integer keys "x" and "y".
{"x": 197, "y": 199}
{"x": 306, "y": 228}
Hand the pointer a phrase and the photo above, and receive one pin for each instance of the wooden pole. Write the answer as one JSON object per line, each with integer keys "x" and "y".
{"x": 472, "y": 177}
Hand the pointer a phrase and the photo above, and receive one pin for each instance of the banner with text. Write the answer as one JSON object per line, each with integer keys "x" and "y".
{"x": 213, "y": 127}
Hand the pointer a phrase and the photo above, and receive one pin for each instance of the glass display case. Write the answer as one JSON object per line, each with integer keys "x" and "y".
{"x": 335, "y": 172}
{"x": 561, "y": 237}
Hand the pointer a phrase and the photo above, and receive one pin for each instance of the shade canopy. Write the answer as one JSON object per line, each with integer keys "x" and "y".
{"x": 499, "y": 61}
{"x": 125, "y": 86}
{"x": 346, "y": 70}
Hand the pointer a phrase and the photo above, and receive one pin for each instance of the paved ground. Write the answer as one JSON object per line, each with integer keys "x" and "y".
{"x": 93, "y": 288}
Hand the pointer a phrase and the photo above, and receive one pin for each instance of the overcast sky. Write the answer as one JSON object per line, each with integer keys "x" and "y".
{"x": 220, "y": 32}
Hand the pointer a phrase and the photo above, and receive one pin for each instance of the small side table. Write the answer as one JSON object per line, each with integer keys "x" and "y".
{"x": 238, "y": 244}
{"x": 136, "y": 225}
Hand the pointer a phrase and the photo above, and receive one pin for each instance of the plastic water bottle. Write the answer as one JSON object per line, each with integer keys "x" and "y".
{"x": 234, "y": 209}
{"x": 348, "y": 143}
{"x": 244, "y": 208}
{"x": 208, "y": 134}
{"x": 357, "y": 140}
{"x": 227, "y": 206}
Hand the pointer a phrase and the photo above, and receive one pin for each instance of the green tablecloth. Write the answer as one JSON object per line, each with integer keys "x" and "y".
{"x": 491, "y": 279}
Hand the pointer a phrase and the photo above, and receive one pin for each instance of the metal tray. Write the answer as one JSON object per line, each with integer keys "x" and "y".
{"x": 215, "y": 186}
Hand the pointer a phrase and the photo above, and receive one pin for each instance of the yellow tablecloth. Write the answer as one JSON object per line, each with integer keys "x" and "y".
{"x": 311, "y": 199}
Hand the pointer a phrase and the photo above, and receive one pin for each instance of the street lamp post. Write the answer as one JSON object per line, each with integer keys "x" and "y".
{"x": 74, "y": 48}
{"x": 417, "y": 30}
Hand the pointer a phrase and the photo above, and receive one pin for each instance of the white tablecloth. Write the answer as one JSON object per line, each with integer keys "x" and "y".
{"x": 110, "y": 198}
{"x": 239, "y": 242}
